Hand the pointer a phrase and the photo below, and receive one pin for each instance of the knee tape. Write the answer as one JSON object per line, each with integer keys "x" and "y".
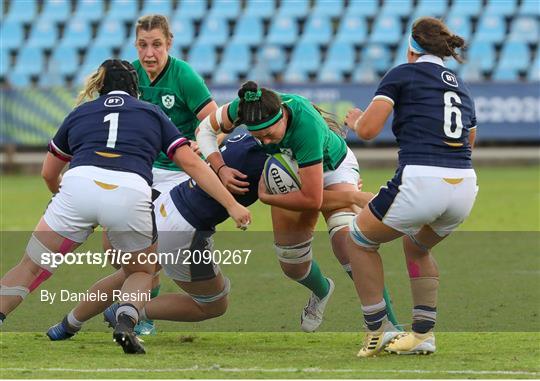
{"x": 360, "y": 239}
{"x": 35, "y": 250}
{"x": 298, "y": 253}
{"x": 338, "y": 221}
{"x": 14, "y": 291}
{"x": 212, "y": 298}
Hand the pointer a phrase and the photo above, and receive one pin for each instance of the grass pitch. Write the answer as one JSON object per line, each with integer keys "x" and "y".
{"x": 490, "y": 278}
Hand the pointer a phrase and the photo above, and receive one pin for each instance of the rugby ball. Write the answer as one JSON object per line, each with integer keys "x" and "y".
{"x": 280, "y": 174}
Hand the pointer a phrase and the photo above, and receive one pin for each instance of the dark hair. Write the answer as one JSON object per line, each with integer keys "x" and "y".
{"x": 150, "y": 22}
{"x": 120, "y": 75}
{"x": 435, "y": 37}
{"x": 259, "y": 109}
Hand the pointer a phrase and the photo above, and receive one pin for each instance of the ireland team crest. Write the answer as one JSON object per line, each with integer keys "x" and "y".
{"x": 168, "y": 100}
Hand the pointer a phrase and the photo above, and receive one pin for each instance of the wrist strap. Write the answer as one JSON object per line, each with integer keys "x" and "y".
{"x": 219, "y": 169}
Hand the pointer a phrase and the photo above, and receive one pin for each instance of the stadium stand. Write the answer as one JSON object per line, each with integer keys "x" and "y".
{"x": 278, "y": 40}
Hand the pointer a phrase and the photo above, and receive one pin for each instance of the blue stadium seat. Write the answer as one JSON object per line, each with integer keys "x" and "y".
{"x": 514, "y": 55}
{"x": 329, "y": 75}
{"x": 214, "y": 31}
{"x": 262, "y": 9}
{"x": 123, "y": 10}
{"x": 43, "y": 34}
{"x": 192, "y": 9}
{"x": 77, "y": 33}
{"x": 12, "y": 33}
{"x": 160, "y": 7}
{"x": 460, "y": 25}
{"x": 534, "y": 71}
{"x": 236, "y": 58}
{"x": 400, "y": 56}
{"x": 505, "y": 74}
{"x": 525, "y": 29}
{"x": 327, "y": 8}
{"x": 203, "y": 58}
{"x": 283, "y": 31}
{"x": 365, "y": 73}
{"x": 64, "y": 60}
{"x": 352, "y": 29}
{"x": 19, "y": 79}
{"x": 30, "y": 61}
{"x": 293, "y": 75}
{"x": 340, "y": 57}
{"x": 261, "y": 75}
{"x": 5, "y": 61}
{"x": 471, "y": 72}
{"x": 249, "y": 30}
{"x": 111, "y": 33}
{"x": 466, "y": 7}
{"x": 396, "y": 8}
{"x": 224, "y": 77}
{"x": 227, "y": 9}
{"x": 386, "y": 30}
{"x": 50, "y": 79}
{"x": 128, "y": 52}
{"x": 293, "y": 8}
{"x": 490, "y": 29}
{"x": 500, "y": 8}
{"x": 305, "y": 57}
{"x": 90, "y": 10}
{"x": 452, "y": 64}
{"x": 94, "y": 57}
{"x": 482, "y": 55}
{"x": 435, "y": 8}
{"x": 22, "y": 11}
{"x": 56, "y": 10}
{"x": 183, "y": 31}
{"x": 318, "y": 29}
{"x": 366, "y": 8}
{"x": 272, "y": 57}
{"x": 529, "y": 8}
{"x": 377, "y": 56}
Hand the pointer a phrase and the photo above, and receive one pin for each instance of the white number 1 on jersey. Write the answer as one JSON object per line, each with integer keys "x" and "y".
{"x": 450, "y": 109}
{"x": 113, "y": 128}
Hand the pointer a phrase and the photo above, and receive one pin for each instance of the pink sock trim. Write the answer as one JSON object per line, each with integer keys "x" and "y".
{"x": 414, "y": 269}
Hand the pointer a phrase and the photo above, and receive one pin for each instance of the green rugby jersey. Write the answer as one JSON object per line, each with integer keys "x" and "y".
{"x": 308, "y": 138}
{"x": 181, "y": 93}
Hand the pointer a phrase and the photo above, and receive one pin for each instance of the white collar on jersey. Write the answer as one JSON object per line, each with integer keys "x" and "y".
{"x": 431, "y": 58}
{"x": 117, "y": 92}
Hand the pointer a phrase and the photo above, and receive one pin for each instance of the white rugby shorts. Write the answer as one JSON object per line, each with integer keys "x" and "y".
{"x": 181, "y": 246}
{"x": 421, "y": 195}
{"x": 348, "y": 172}
{"x": 118, "y": 201}
{"x": 164, "y": 180}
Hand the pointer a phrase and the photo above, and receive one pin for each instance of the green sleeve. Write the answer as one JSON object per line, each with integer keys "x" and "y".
{"x": 232, "y": 111}
{"x": 307, "y": 141}
{"x": 193, "y": 89}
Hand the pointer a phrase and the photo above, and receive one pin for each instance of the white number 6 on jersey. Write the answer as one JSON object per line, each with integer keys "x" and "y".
{"x": 450, "y": 109}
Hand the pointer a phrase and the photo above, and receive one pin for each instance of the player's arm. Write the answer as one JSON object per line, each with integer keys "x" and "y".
{"x": 472, "y": 137}
{"x": 310, "y": 195}
{"x": 207, "y": 138}
{"x": 368, "y": 124}
{"x": 51, "y": 171}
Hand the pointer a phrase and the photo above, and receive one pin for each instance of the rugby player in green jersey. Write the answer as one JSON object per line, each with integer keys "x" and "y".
{"x": 292, "y": 124}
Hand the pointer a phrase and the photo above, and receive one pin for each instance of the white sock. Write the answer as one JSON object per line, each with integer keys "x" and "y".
{"x": 72, "y": 320}
{"x": 129, "y": 310}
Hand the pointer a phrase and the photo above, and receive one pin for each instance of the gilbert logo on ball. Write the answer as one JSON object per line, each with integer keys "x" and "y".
{"x": 281, "y": 174}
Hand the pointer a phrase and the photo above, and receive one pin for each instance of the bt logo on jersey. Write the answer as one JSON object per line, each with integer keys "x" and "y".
{"x": 114, "y": 101}
{"x": 449, "y": 78}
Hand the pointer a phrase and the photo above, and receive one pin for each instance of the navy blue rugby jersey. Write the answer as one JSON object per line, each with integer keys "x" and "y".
{"x": 118, "y": 132}
{"x": 433, "y": 113}
{"x": 243, "y": 153}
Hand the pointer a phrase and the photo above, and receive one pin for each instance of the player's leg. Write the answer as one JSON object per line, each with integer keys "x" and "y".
{"x": 366, "y": 234}
{"x": 293, "y": 234}
{"x": 33, "y": 269}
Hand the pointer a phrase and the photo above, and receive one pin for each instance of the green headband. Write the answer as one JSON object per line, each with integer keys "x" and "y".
{"x": 266, "y": 123}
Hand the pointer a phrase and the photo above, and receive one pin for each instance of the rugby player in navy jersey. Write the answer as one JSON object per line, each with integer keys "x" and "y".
{"x": 110, "y": 143}
{"x": 432, "y": 192}
{"x": 186, "y": 218}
